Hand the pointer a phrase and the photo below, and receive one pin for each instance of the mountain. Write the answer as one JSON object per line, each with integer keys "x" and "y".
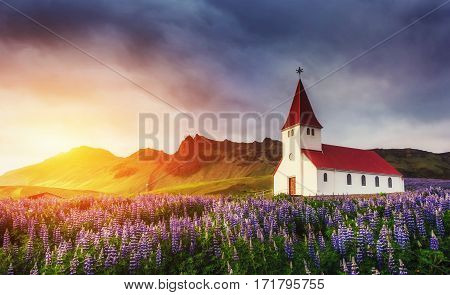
{"x": 199, "y": 166}
{"x": 418, "y": 164}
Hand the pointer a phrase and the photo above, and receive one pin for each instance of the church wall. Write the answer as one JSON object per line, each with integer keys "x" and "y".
{"x": 311, "y": 142}
{"x": 288, "y": 167}
{"x": 337, "y": 183}
{"x": 309, "y": 178}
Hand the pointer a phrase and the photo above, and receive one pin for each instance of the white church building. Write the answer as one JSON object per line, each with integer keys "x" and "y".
{"x": 310, "y": 168}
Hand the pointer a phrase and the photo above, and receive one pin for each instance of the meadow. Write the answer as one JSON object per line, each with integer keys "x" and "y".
{"x": 406, "y": 233}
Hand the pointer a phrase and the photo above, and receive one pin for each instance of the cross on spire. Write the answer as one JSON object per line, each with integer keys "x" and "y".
{"x": 299, "y": 71}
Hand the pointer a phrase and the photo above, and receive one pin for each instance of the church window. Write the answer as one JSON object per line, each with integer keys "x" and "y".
{"x": 363, "y": 180}
{"x": 349, "y": 179}
{"x": 291, "y": 156}
{"x": 307, "y": 131}
{"x": 312, "y": 131}
{"x": 325, "y": 177}
{"x": 390, "y": 182}
{"x": 377, "y": 181}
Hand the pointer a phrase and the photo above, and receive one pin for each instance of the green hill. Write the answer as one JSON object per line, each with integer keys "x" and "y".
{"x": 200, "y": 166}
{"x": 418, "y": 164}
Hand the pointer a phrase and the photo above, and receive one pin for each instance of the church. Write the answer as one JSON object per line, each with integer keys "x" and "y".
{"x": 310, "y": 168}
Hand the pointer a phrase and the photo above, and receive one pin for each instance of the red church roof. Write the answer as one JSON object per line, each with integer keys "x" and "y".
{"x": 349, "y": 159}
{"x": 301, "y": 111}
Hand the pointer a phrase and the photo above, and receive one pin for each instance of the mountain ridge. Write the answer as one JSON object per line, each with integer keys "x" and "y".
{"x": 200, "y": 165}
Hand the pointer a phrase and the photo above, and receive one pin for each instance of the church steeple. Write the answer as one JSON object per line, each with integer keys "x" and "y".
{"x": 301, "y": 111}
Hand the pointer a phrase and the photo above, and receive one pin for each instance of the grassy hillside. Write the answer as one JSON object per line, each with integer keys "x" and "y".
{"x": 17, "y": 192}
{"x": 199, "y": 166}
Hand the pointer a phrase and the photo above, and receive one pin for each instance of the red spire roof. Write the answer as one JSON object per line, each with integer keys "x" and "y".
{"x": 350, "y": 159}
{"x": 301, "y": 111}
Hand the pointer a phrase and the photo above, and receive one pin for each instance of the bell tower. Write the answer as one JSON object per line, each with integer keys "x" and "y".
{"x": 301, "y": 114}
{"x": 301, "y": 130}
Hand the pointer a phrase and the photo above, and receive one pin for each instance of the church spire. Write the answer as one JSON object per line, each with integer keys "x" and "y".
{"x": 301, "y": 111}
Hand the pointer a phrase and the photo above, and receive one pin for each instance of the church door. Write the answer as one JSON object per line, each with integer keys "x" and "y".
{"x": 292, "y": 185}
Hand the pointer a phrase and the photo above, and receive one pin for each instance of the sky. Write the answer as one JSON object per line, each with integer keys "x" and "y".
{"x": 76, "y": 73}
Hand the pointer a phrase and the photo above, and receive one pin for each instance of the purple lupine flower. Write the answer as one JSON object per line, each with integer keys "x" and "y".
{"x": 29, "y": 251}
{"x": 88, "y": 265}
{"x": 158, "y": 256}
{"x": 317, "y": 259}
{"x": 288, "y": 249}
{"x": 354, "y": 268}
{"x": 48, "y": 257}
{"x": 133, "y": 243}
{"x": 420, "y": 225}
{"x": 321, "y": 241}
{"x": 391, "y": 264}
{"x": 134, "y": 264}
{"x": 360, "y": 238}
{"x": 380, "y": 250}
{"x": 344, "y": 267}
{"x": 100, "y": 257}
{"x": 109, "y": 261}
{"x": 359, "y": 256}
{"x": 410, "y": 222}
{"x": 111, "y": 256}
{"x": 401, "y": 268}
{"x": 235, "y": 254}
{"x": 216, "y": 246}
{"x": 335, "y": 241}
{"x": 34, "y": 270}
{"x": 57, "y": 236}
{"x": 144, "y": 247}
{"x": 10, "y": 269}
{"x": 368, "y": 237}
{"x": 6, "y": 240}
{"x": 401, "y": 236}
{"x": 439, "y": 224}
{"x": 341, "y": 240}
{"x": 434, "y": 243}
{"x": 74, "y": 265}
{"x": 311, "y": 246}
{"x": 60, "y": 254}
{"x": 44, "y": 236}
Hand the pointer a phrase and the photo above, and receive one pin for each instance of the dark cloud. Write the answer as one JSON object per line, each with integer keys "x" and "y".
{"x": 241, "y": 55}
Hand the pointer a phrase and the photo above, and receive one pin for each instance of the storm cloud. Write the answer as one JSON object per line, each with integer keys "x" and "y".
{"x": 242, "y": 55}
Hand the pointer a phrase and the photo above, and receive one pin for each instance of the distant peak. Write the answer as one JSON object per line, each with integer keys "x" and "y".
{"x": 86, "y": 151}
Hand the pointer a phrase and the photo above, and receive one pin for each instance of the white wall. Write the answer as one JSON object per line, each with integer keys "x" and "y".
{"x": 309, "y": 187}
{"x": 311, "y": 142}
{"x": 337, "y": 183}
{"x": 288, "y": 167}
{"x": 300, "y": 166}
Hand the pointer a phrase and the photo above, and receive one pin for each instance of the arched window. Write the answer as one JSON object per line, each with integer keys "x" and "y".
{"x": 390, "y": 182}
{"x": 325, "y": 177}
{"x": 349, "y": 179}
{"x": 312, "y": 131}
{"x": 377, "y": 181}
{"x": 307, "y": 131}
{"x": 363, "y": 180}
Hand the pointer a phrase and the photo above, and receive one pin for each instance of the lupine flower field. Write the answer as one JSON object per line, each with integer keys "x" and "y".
{"x": 401, "y": 234}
